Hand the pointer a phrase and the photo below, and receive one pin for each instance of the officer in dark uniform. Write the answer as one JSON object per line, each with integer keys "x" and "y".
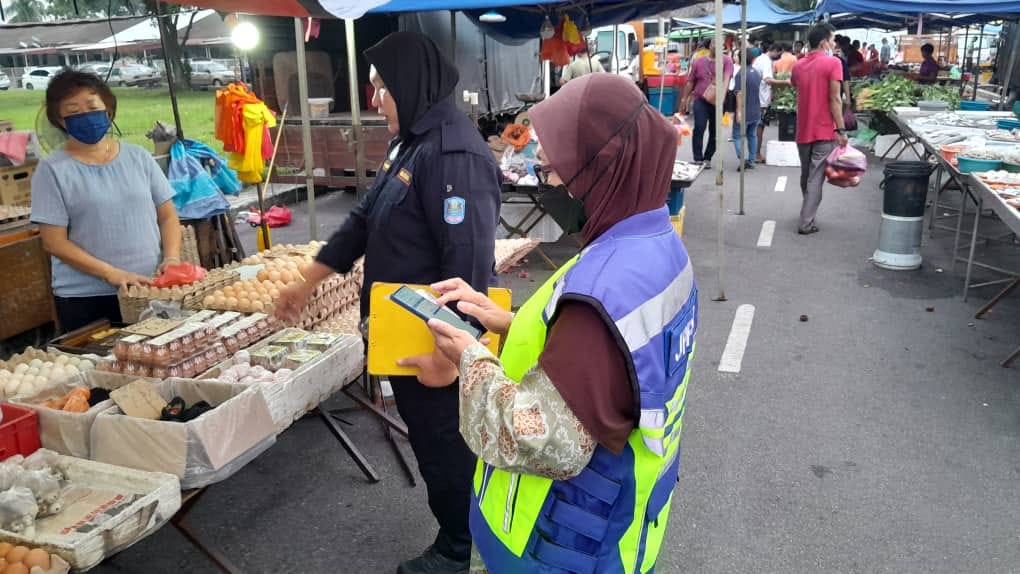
{"x": 431, "y": 214}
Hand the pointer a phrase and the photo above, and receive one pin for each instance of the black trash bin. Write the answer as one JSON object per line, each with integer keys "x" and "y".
{"x": 905, "y": 190}
{"x": 787, "y": 126}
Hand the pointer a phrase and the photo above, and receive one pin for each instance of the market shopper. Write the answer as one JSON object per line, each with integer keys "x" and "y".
{"x": 748, "y": 106}
{"x": 431, "y": 213}
{"x": 584, "y": 63}
{"x": 763, "y": 64}
{"x": 817, "y": 78}
{"x": 929, "y": 71}
{"x": 699, "y": 98}
{"x": 104, "y": 206}
{"x": 577, "y": 424}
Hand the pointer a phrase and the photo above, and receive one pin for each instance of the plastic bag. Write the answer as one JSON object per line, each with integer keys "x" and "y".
{"x": 846, "y": 157}
{"x": 18, "y": 510}
{"x": 555, "y": 50}
{"x": 196, "y": 194}
{"x": 48, "y": 492}
{"x": 849, "y": 120}
{"x": 276, "y": 216}
{"x": 178, "y": 274}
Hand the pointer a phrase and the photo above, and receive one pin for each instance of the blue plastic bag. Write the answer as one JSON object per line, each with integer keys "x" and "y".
{"x": 196, "y": 195}
{"x": 225, "y": 178}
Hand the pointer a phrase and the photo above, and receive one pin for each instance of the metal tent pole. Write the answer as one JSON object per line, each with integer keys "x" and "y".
{"x": 720, "y": 96}
{"x": 745, "y": 142}
{"x": 1014, "y": 36}
{"x": 359, "y": 142}
{"x": 306, "y": 126}
{"x": 169, "y": 73}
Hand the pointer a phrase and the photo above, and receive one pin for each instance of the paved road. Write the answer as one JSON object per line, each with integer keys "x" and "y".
{"x": 877, "y": 436}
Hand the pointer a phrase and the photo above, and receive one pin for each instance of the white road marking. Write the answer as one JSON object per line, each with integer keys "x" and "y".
{"x": 781, "y": 183}
{"x": 736, "y": 344}
{"x": 768, "y": 229}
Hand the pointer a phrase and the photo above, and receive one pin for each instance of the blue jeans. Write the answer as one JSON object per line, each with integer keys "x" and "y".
{"x": 752, "y": 140}
{"x": 704, "y": 121}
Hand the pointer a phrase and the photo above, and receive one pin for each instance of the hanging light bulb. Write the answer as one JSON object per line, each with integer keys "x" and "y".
{"x": 492, "y": 17}
{"x": 547, "y": 30}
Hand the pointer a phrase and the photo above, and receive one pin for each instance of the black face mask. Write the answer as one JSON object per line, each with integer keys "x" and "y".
{"x": 566, "y": 211}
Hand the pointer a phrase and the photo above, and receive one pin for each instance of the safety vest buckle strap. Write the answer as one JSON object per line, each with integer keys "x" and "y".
{"x": 563, "y": 558}
{"x": 595, "y": 484}
{"x": 581, "y": 521}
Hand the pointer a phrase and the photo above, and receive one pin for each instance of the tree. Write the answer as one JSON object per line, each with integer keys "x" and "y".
{"x": 26, "y": 11}
{"x": 168, "y": 28}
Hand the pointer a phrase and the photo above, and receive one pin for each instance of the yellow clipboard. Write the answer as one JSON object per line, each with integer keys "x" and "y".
{"x": 394, "y": 333}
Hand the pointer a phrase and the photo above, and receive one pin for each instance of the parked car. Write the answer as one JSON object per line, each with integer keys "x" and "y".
{"x": 5, "y": 81}
{"x": 134, "y": 75}
{"x": 39, "y": 78}
{"x": 100, "y": 69}
{"x": 210, "y": 74}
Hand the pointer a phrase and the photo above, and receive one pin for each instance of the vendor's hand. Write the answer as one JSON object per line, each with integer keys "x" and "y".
{"x": 842, "y": 140}
{"x": 434, "y": 369}
{"x": 451, "y": 341}
{"x": 166, "y": 262}
{"x": 292, "y": 301}
{"x": 124, "y": 279}
{"x": 471, "y": 302}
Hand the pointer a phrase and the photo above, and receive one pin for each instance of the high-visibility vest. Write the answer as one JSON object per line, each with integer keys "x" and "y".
{"x": 612, "y": 516}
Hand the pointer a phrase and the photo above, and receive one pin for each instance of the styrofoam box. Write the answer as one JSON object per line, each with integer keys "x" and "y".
{"x": 782, "y": 154}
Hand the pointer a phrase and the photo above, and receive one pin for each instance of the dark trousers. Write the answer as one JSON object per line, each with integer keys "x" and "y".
{"x": 444, "y": 459}
{"x": 704, "y": 116}
{"x": 76, "y": 312}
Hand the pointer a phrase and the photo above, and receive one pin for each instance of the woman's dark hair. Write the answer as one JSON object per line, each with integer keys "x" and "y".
{"x": 928, "y": 49}
{"x": 66, "y": 84}
{"x": 819, "y": 33}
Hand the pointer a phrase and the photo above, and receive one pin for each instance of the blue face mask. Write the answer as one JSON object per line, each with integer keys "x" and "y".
{"x": 88, "y": 127}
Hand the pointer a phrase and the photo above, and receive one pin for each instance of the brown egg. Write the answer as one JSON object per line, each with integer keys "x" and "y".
{"x": 17, "y": 554}
{"x": 274, "y": 276}
{"x": 17, "y": 568}
{"x": 3, "y": 565}
{"x": 37, "y": 557}
{"x": 258, "y": 306}
{"x": 209, "y": 301}
{"x": 5, "y": 547}
{"x": 286, "y": 276}
{"x": 263, "y": 274}
{"x": 231, "y": 302}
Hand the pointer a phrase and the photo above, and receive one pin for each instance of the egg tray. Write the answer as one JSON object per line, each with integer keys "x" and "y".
{"x": 135, "y": 300}
{"x": 510, "y": 251}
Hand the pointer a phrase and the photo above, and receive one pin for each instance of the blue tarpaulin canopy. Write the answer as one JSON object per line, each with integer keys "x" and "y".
{"x": 898, "y": 14}
{"x": 759, "y": 13}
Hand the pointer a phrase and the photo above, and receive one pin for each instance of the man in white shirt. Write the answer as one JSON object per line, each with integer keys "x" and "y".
{"x": 763, "y": 64}
{"x": 582, "y": 65}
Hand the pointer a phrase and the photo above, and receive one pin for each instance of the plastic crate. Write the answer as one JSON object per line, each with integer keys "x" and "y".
{"x": 19, "y": 433}
{"x": 16, "y": 184}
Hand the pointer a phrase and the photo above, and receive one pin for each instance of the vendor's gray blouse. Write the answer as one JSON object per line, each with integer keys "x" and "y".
{"x": 108, "y": 210}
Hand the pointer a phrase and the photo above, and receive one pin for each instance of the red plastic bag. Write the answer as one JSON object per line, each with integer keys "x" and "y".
{"x": 276, "y": 216}
{"x": 555, "y": 50}
{"x": 179, "y": 274}
{"x": 848, "y": 158}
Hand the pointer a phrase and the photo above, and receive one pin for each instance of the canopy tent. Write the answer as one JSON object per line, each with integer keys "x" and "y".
{"x": 898, "y": 14}
{"x": 759, "y": 13}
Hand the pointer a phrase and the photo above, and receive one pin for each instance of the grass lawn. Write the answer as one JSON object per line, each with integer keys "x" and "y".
{"x": 137, "y": 110}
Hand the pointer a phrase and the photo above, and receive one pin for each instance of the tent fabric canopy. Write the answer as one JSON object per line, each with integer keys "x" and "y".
{"x": 759, "y": 13}
{"x": 897, "y": 14}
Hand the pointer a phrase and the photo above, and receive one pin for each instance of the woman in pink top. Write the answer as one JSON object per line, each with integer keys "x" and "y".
{"x": 700, "y": 80}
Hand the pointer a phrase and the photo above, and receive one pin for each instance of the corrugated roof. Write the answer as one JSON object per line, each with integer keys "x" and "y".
{"x": 63, "y": 33}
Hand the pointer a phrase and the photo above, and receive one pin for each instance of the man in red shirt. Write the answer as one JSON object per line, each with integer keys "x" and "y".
{"x": 817, "y": 78}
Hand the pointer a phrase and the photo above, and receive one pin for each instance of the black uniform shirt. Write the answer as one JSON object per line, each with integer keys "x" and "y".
{"x": 432, "y": 211}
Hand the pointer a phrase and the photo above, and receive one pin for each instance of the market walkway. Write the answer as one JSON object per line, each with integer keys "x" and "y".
{"x": 877, "y": 436}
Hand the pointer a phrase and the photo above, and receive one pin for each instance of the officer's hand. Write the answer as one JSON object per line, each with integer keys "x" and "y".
{"x": 434, "y": 369}
{"x": 292, "y": 301}
{"x": 471, "y": 302}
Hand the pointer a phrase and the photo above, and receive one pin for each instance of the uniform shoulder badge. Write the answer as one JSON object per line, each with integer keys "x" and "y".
{"x": 453, "y": 210}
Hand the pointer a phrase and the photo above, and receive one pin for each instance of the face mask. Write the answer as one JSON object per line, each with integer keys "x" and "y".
{"x": 88, "y": 127}
{"x": 566, "y": 211}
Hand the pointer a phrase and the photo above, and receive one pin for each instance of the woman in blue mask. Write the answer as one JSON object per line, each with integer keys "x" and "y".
{"x": 103, "y": 206}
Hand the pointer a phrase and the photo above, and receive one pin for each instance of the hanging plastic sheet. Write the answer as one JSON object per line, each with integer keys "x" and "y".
{"x": 196, "y": 194}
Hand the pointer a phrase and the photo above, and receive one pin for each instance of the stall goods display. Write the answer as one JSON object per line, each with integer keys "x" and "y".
{"x": 346, "y": 323}
{"x": 958, "y": 120}
{"x": 892, "y": 92}
{"x": 77, "y": 400}
{"x": 246, "y": 371}
{"x": 18, "y": 559}
{"x": 135, "y": 299}
{"x": 999, "y": 176}
{"x": 34, "y": 371}
{"x": 511, "y": 251}
{"x": 947, "y": 94}
{"x": 685, "y": 171}
{"x": 12, "y": 212}
{"x": 1006, "y": 136}
{"x": 30, "y": 488}
{"x": 191, "y": 349}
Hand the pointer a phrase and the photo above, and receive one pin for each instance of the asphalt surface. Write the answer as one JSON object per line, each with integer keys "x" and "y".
{"x": 880, "y": 435}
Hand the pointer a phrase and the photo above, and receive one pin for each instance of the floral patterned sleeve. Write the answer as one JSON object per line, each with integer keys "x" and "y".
{"x": 525, "y": 428}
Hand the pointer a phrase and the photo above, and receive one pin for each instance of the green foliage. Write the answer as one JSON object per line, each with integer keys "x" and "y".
{"x": 893, "y": 91}
{"x": 784, "y": 98}
{"x": 19, "y": 11}
{"x": 950, "y": 95}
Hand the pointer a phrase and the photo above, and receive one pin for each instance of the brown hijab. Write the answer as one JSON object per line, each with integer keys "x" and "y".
{"x": 614, "y": 151}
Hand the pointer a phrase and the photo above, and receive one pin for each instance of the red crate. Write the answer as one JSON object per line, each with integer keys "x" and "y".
{"x": 19, "y": 433}
{"x": 669, "y": 81}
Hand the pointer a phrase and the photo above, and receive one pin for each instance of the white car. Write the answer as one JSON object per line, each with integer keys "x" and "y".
{"x": 39, "y": 78}
{"x": 5, "y": 82}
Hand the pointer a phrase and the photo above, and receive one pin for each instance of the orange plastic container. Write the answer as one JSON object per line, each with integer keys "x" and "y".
{"x": 950, "y": 151}
{"x": 19, "y": 433}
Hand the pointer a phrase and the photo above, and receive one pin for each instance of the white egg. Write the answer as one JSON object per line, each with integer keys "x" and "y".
{"x": 41, "y": 381}
{"x": 86, "y": 365}
{"x": 21, "y": 368}
{"x": 63, "y": 360}
{"x": 32, "y": 371}
{"x": 36, "y": 363}
{"x": 5, "y": 373}
{"x": 26, "y": 388}
{"x": 74, "y": 361}
{"x": 11, "y": 387}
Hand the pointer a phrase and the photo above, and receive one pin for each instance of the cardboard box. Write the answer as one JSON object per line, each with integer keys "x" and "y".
{"x": 70, "y": 433}
{"x": 782, "y": 154}
{"x": 199, "y": 452}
